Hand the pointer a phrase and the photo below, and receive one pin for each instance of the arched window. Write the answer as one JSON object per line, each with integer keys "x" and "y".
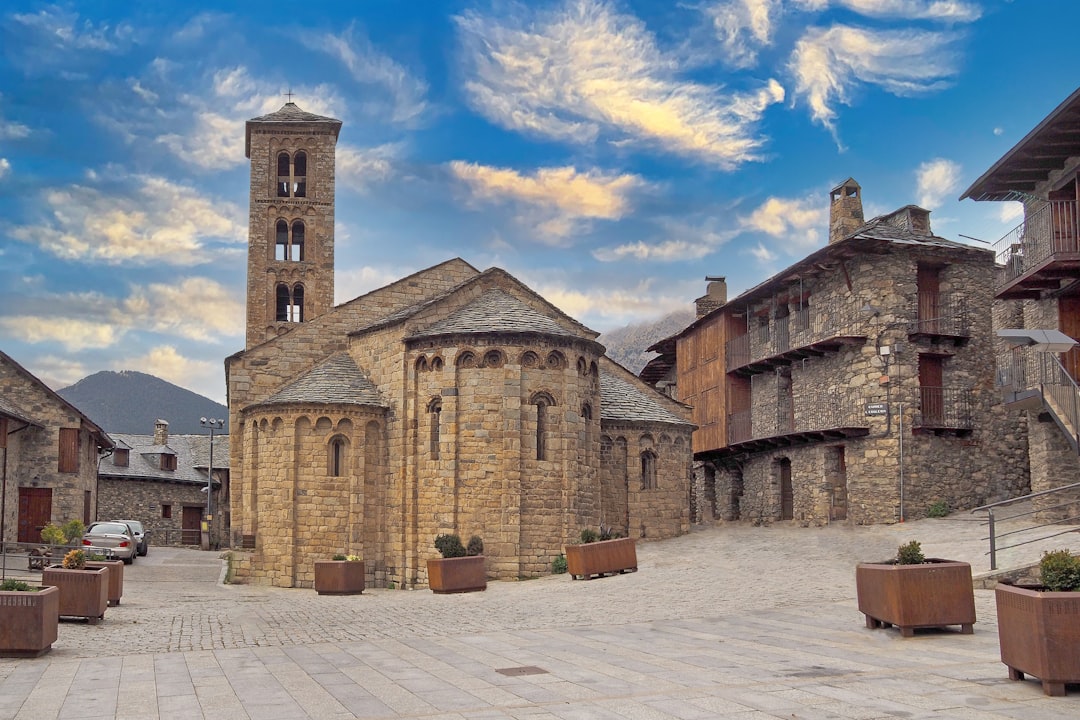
{"x": 289, "y": 242}
{"x": 435, "y": 418}
{"x": 292, "y": 175}
{"x": 290, "y": 303}
{"x": 336, "y": 459}
{"x": 542, "y": 401}
{"x": 648, "y": 470}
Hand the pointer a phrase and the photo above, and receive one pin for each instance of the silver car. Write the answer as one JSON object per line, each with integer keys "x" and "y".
{"x": 112, "y": 539}
{"x": 142, "y": 541}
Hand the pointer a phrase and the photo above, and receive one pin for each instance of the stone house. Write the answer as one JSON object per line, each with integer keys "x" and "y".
{"x": 1037, "y": 286}
{"x": 834, "y": 390}
{"x": 452, "y": 400}
{"x": 50, "y": 451}
{"x": 161, "y": 480}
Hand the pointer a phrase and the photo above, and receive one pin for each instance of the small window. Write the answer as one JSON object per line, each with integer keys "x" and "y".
{"x": 435, "y": 418}
{"x": 289, "y": 303}
{"x": 121, "y": 457}
{"x": 648, "y": 470}
{"x": 3, "y": 432}
{"x": 87, "y": 504}
{"x": 292, "y": 175}
{"x": 337, "y": 457}
{"x": 166, "y": 511}
{"x": 168, "y": 461}
{"x": 68, "y": 461}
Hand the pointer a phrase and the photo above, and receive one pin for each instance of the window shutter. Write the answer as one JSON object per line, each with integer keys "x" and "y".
{"x": 69, "y": 450}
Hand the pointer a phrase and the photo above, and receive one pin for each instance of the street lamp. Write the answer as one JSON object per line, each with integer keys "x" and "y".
{"x": 211, "y": 423}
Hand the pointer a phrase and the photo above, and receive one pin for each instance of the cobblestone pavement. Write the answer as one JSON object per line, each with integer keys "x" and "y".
{"x": 731, "y": 620}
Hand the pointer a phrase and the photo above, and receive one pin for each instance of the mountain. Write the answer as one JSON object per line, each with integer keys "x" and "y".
{"x": 131, "y": 402}
{"x": 626, "y": 345}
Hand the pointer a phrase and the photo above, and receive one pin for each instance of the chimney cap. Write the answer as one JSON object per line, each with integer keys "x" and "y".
{"x": 715, "y": 278}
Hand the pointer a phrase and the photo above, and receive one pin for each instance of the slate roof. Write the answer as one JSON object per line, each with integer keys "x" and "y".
{"x": 495, "y": 311}
{"x": 621, "y": 400}
{"x": 878, "y": 229}
{"x": 192, "y": 458}
{"x": 290, "y": 112}
{"x": 10, "y": 410}
{"x": 336, "y": 380}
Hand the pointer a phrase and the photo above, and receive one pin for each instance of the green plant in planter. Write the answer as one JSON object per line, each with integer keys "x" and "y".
{"x": 73, "y": 531}
{"x": 475, "y": 546}
{"x": 910, "y": 554}
{"x": 13, "y": 585}
{"x": 75, "y": 560}
{"x": 52, "y": 535}
{"x": 338, "y": 556}
{"x": 558, "y": 565}
{"x": 1060, "y": 571}
{"x": 449, "y": 546}
{"x": 588, "y": 535}
{"x": 353, "y": 558}
{"x": 96, "y": 557}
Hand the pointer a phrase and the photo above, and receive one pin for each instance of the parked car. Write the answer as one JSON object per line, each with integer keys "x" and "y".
{"x": 142, "y": 540}
{"x": 112, "y": 539}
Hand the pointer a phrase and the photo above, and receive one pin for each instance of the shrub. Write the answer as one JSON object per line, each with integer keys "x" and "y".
{"x": 589, "y": 536}
{"x": 558, "y": 565}
{"x": 338, "y": 556}
{"x": 475, "y": 546}
{"x": 75, "y": 560}
{"x": 449, "y": 545}
{"x": 353, "y": 558}
{"x": 73, "y": 531}
{"x": 1060, "y": 571}
{"x": 13, "y": 585}
{"x": 96, "y": 557}
{"x": 910, "y": 554}
{"x": 937, "y": 509}
{"x": 52, "y": 535}
{"x": 609, "y": 534}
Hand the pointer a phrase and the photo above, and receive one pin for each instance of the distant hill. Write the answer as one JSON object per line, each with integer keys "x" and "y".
{"x": 131, "y": 402}
{"x": 626, "y": 345}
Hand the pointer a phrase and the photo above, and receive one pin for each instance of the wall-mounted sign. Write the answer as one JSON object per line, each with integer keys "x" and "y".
{"x": 877, "y": 408}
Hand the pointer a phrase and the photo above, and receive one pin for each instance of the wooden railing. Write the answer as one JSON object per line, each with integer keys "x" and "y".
{"x": 1049, "y": 230}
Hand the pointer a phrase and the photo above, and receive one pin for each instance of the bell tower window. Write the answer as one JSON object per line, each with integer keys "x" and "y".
{"x": 289, "y": 242}
{"x": 290, "y": 303}
{"x": 292, "y": 174}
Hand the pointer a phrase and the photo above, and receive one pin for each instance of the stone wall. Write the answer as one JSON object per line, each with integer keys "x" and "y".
{"x": 145, "y": 501}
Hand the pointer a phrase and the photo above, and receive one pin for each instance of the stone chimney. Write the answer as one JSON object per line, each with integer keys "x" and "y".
{"x": 845, "y": 210}
{"x": 161, "y": 433}
{"x": 912, "y": 218}
{"x": 715, "y": 296}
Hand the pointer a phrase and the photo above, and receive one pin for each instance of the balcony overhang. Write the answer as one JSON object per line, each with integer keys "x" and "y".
{"x": 797, "y": 438}
{"x": 1047, "y": 275}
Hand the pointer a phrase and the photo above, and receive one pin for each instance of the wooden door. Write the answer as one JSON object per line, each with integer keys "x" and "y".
{"x": 838, "y": 485}
{"x": 928, "y": 282}
{"x": 931, "y": 390}
{"x": 1069, "y": 323}
{"x": 787, "y": 494}
{"x": 35, "y": 512}
{"x": 191, "y": 525}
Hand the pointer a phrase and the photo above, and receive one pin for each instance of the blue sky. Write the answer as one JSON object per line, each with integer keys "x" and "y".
{"x": 609, "y": 154}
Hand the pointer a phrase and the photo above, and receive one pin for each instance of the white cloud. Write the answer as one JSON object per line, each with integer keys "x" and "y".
{"x": 743, "y": 26}
{"x": 940, "y": 10}
{"x": 5, "y": 168}
{"x": 1010, "y": 212}
{"x": 679, "y": 240}
{"x": 195, "y": 308}
{"x": 999, "y": 131}
{"x": 828, "y": 64}
{"x": 584, "y": 71}
{"x": 936, "y": 179}
{"x": 161, "y": 222}
{"x": 555, "y": 199}
{"x": 59, "y": 372}
{"x": 168, "y": 364}
{"x": 64, "y": 30}
{"x": 612, "y": 306}
{"x": 762, "y": 254}
{"x": 796, "y": 222}
{"x": 359, "y": 168}
{"x": 73, "y": 333}
{"x": 370, "y": 67}
{"x": 352, "y": 283}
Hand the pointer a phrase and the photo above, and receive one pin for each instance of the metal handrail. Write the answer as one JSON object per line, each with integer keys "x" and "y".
{"x": 1027, "y": 369}
{"x": 991, "y": 519}
{"x": 1046, "y": 231}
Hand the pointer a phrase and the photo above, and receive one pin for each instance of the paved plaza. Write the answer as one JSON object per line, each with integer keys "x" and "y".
{"x": 729, "y": 621}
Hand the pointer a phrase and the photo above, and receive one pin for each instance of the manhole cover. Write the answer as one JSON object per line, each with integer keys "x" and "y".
{"x": 526, "y": 670}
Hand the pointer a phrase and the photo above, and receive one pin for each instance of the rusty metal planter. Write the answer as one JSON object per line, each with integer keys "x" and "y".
{"x": 28, "y": 622}
{"x": 83, "y": 593}
{"x": 457, "y": 575}
{"x": 116, "y": 577}
{"x": 1039, "y": 634}
{"x": 605, "y": 557}
{"x": 933, "y": 594}
{"x": 339, "y": 577}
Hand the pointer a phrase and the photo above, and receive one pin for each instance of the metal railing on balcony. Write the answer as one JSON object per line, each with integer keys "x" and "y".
{"x": 799, "y": 414}
{"x": 944, "y": 408}
{"x": 940, "y": 313}
{"x": 1045, "y": 232}
{"x": 804, "y": 327}
{"x": 1024, "y": 369}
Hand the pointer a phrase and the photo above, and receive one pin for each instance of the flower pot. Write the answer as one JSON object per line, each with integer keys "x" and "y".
{"x": 605, "y": 557}
{"x": 83, "y": 593}
{"x": 339, "y": 577}
{"x": 457, "y": 575}
{"x": 116, "y": 577}
{"x": 932, "y": 594}
{"x": 28, "y": 622}
{"x": 1039, "y": 634}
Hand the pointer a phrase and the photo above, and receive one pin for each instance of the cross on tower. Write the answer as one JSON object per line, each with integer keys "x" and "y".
{"x": 289, "y": 94}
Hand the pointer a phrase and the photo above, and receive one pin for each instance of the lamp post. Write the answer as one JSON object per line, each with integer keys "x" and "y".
{"x": 212, "y": 424}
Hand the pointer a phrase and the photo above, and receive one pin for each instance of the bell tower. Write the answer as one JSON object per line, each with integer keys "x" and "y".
{"x": 290, "y": 273}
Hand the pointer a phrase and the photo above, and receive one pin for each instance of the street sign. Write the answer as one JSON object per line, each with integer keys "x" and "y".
{"x": 877, "y": 408}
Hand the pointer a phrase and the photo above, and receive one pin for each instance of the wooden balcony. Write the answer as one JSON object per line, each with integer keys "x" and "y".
{"x": 1040, "y": 253}
{"x": 797, "y": 421}
{"x": 808, "y": 332}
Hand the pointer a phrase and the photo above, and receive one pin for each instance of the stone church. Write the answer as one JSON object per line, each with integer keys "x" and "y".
{"x": 452, "y": 400}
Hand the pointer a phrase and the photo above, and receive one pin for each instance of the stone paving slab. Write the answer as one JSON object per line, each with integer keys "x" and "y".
{"x": 728, "y": 621}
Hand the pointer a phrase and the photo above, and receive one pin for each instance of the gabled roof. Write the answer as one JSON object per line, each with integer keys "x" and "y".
{"x": 1043, "y": 150}
{"x": 103, "y": 439}
{"x": 335, "y": 380}
{"x": 622, "y": 400}
{"x": 494, "y": 311}
{"x": 8, "y": 409}
{"x": 192, "y": 458}
{"x": 290, "y": 113}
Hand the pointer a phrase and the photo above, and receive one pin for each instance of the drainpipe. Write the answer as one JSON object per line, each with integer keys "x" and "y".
{"x": 3, "y": 503}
